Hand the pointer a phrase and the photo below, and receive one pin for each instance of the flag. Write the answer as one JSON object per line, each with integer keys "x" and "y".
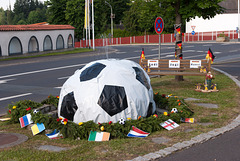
{"x": 180, "y": 56}
{"x": 179, "y": 44}
{"x": 189, "y": 120}
{"x": 169, "y": 124}
{"x": 25, "y": 120}
{"x": 135, "y": 132}
{"x": 99, "y": 136}
{"x": 178, "y": 29}
{"x": 86, "y": 14}
{"x": 142, "y": 55}
{"x": 37, "y": 128}
{"x": 210, "y": 55}
{"x": 54, "y": 135}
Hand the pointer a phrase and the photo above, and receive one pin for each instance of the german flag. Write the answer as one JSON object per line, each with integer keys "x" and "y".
{"x": 178, "y": 29}
{"x": 210, "y": 55}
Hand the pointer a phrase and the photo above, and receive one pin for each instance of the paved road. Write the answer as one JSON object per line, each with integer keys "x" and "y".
{"x": 222, "y": 148}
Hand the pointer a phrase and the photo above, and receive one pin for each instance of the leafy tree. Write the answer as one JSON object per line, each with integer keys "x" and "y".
{"x": 37, "y": 16}
{"x": 57, "y": 11}
{"x": 2, "y": 17}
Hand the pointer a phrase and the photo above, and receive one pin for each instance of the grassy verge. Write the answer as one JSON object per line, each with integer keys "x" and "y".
{"x": 122, "y": 149}
{"x": 74, "y": 51}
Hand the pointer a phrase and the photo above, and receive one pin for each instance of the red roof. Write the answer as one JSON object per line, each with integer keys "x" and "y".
{"x": 35, "y": 27}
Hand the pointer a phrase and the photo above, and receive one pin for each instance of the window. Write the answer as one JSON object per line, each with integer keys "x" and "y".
{"x": 70, "y": 41}
{"x": 33, "y": 45}
{"x": 47, "y": 44}
{"x": 60, "y": 42}
{"x": 15, "y": 46}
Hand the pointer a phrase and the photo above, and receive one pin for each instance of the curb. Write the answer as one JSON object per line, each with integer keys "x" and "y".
{"x": 195, "y": 140}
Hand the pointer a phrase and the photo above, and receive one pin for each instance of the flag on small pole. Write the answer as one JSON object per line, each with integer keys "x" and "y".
{"x": 25, "y": 120}
{"x": 142, "y": 55}
{"x": 210, "y": 55}
{"x": 169, "y": 124}
{"x": 135, "y": 132}
{"x": 99, "y": 136}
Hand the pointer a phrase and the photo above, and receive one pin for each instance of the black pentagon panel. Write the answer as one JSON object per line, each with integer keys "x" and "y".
{"x": 91, "y": 72}
{"x": 141, "y": 77}
{"x": 68, "y": 107}
{"x": 113, "y": 99}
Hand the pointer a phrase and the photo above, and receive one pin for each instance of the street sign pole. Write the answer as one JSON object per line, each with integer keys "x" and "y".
{"x": 159, "y": 25}
{"x": 159, "y": 47}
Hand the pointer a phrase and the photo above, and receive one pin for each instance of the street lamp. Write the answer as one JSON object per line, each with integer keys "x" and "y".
{"x": 111, "y": 18}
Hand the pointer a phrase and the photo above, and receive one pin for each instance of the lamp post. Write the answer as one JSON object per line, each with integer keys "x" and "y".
{"x": 111, "y": 18}
{"x": 238, "y": 23}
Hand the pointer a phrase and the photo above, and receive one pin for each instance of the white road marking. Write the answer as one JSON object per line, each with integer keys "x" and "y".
{"x": 58, "y": 87}
{"x": 121, "y": 52}
{"x": 208, "y": 45}
{"x": 189, "y": 46}
{"x": 64, "y": 77}
{"x": 16, "y": 96}
{"x": 43, "y": 70}
{"x": 5, "y": 81}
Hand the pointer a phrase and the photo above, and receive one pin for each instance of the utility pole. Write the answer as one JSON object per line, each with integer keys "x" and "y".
{"x": 111, "y": 17}
{"x": 93, "y": 37}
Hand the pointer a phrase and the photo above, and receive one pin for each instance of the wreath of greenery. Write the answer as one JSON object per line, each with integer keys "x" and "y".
{"x": 82, "y": 130}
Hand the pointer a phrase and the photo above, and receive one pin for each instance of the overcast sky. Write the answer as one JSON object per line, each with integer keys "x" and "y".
{"x": 5, "y": 3}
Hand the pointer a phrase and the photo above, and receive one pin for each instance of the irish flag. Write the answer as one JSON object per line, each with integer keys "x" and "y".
{"x": 99, "y": 136}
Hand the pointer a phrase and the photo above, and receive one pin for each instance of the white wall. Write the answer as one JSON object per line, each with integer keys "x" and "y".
{"x": 24, "y": 37}
{"x": 222, "y": 22}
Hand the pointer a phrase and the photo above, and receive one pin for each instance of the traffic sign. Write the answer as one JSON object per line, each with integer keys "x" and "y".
{"x": 193, "y": 32}
{"x": 159, "y": 25}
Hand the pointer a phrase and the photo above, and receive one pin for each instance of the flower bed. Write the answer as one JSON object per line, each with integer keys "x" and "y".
{"x": 81, "y": 130}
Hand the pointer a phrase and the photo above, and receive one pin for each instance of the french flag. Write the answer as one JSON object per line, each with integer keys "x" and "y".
{"x": 135, "y": 132}
{"x": 25, "y": 120}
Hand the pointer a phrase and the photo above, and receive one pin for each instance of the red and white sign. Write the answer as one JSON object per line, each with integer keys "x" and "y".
{"x": 174, "y": 63}
{"x": 159, "y": 25}
{"x": 169, "y": 124}
{"x": 195, "y": 63}
{"x": 153, "y": 63}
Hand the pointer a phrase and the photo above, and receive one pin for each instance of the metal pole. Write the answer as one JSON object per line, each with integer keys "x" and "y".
{"x": 238, "y": 22}
{"x": 89, "y": 37}
{"x": 111, "y": 18}
{"x": 93, "y": 26}
{"x": 159, "y": 50}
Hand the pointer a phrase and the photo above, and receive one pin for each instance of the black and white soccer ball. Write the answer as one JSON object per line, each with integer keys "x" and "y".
{"x": 121, "y": 121}
{"x": 107, "y": 90}
{"x": 174, "y": 110}
{"x": 35, "y": 111}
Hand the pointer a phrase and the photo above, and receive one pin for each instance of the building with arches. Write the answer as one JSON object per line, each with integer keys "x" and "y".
{"x": 22, "y": 39}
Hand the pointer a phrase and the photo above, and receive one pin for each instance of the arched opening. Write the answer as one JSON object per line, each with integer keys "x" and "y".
{"x": 33, "y": 45}
{"x": 70, "y": 41}
{"x": 60, "y": 42}
{"x": 47, "y": 44}
{"x": 15, "y": 46}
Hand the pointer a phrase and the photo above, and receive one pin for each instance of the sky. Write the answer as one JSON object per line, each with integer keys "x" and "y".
{"x": 5, "y": 3}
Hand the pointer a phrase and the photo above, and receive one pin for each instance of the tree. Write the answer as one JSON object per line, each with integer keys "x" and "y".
{"x": 2, "y": 17}
{"x": 188, "y": 9}
{"x": 57, "y": 11}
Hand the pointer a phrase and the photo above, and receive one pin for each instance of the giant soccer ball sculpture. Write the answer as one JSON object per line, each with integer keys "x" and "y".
{"x": 107, "y": 90}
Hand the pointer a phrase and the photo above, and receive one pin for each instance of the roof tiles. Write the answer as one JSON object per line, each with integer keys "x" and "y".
{"x": 35, "y": 27}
